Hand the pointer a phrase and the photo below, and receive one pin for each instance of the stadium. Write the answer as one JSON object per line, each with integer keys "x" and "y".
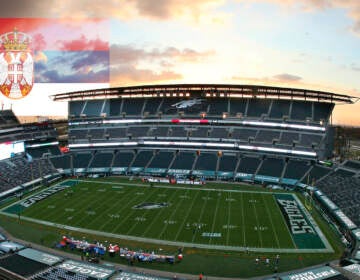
{"x": 232, "y": 181}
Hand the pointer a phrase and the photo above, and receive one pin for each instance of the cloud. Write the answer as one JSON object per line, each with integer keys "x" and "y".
{"x": 131, "y": 64}
{"x": 73, "y": 67}
{"x": 129, "y": 74}
{"x": 50, "y": 76}
{"x": 280, "y": 80}
{"x": 125, "y": 10}
{"x": 294, "y": 82}
{"x": 355, "y": 67}
{"x": 83, "y": 43}
{"x": 127, "y": 63}
{"x": 132, "y": 54}
{"x": 287, "y": 78}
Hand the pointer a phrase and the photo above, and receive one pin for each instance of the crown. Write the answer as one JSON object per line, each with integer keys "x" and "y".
{"x": 15, "y": 41}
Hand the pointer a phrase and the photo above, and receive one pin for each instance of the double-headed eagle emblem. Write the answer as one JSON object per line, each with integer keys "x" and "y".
{"x": 16, "y": 65}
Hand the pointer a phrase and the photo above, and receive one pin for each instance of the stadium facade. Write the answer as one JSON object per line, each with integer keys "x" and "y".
{"x": 258, "y": 134}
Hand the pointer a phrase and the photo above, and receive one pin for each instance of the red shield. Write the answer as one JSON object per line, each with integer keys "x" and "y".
{"x": 16, "y": 65}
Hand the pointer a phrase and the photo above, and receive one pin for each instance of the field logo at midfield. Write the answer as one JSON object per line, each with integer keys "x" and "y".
{"x": 16, "y": 65}
{"x": 151, "y": 205}
{"x": 44, "y": 194}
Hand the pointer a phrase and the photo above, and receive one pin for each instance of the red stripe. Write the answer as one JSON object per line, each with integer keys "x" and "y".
{"x": 62, "y": 34}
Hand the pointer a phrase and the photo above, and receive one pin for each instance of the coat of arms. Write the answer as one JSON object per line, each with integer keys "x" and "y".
{"x": 16, "y": 65}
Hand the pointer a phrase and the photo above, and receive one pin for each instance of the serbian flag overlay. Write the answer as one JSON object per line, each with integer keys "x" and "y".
{"x": 67, "y": 55}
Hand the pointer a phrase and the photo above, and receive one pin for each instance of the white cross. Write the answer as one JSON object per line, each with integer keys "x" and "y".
{"x": 16, "y": 72}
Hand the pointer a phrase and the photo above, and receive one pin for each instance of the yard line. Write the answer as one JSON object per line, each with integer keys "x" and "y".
{"x": 130, "y": 213}
{"x": 228, "y": 221}
{"x": 79, "y": 206}
{"x": 111, "y": 208}
{"x": 214, "y": 220}
{"x": 187, "y": 215}
{"x": 243, "y": 218}
{"x": 271, "y": 221}
{"x": 257, "y": 220}
{"x": 142, "y": 216}
{"x": 85, "y": 215}
{"x": 82, "y": 211}
{"x": 126, "y": 205}
{"x": 172, "y": 214}
{"x": 158, "y": 214}
{"x": 201, "y": 214}
{"x": 49, "y": 215}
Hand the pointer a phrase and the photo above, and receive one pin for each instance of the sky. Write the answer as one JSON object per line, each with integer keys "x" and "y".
{"x": 76, "y": 45}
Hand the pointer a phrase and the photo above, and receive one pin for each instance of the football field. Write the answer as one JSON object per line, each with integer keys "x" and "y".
{"x": 210, "y": 217}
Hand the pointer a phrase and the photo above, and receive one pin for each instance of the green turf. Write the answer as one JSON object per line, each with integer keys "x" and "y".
{"x": 229, "y": 212}
{"x": 236, "y": 218}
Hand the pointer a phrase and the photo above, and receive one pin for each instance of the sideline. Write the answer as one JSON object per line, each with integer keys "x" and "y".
{"x": 117, "y": 266}
{"x": 167, "y": 242}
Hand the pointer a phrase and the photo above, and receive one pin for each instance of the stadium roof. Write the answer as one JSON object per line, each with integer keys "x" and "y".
{"x": 206, "y": 90}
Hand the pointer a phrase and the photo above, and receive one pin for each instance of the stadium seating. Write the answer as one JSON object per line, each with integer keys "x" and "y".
{"x": 137, "y": 131}
{"x": 21, "y": 265}
{"x": 63, "y": 161}
{"x": 82, "y": 160}
{"x": 184, "y": 161}
{"x": 249, "y": 164}
{"x": 16, "y": 171}
{"x": 206, "y": 161}
{"x": 102, "y": 159}
{"x": 355, "y": 165}
{"x": 296, "y": 169}
{"x": 238, "y": 107}
{"x": 160, "y": 131}
{"x": 218, "y": 106}
{"x": 308, "y": 140}
{"x": 142, "y": 159}
{"x": 8, "y": 119}
{"x": 219, "y": 132}
{"x": 199, "y": 132}
{"x": 123, "y": 159}
{"x": 288, "y": 138}
{"x": 343, "y": 190}
{"x": 115, "y": 133}
{"x": 243, "y": 134}
{"x": 92, "y": 108}
{"x": 258, "y": 107}
{"x": 152, "y": 106}
{"x": 279, "y": 109}
{"x": 228, "y": 163}
{"x": 162, "y": 159}
{"x": 272, "y": 167}
{"x": 316, "y": 173}
{"x": 132, "y": 107}
{"x": 301, "y": 110}
{"x": 76, "y": 108}
{"x": 267, "y": 136}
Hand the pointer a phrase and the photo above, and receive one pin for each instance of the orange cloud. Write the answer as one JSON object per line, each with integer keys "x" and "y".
{"x": 125, "y": 10}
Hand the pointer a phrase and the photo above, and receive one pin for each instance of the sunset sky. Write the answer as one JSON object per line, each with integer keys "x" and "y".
{"x": 313, "y": 44}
